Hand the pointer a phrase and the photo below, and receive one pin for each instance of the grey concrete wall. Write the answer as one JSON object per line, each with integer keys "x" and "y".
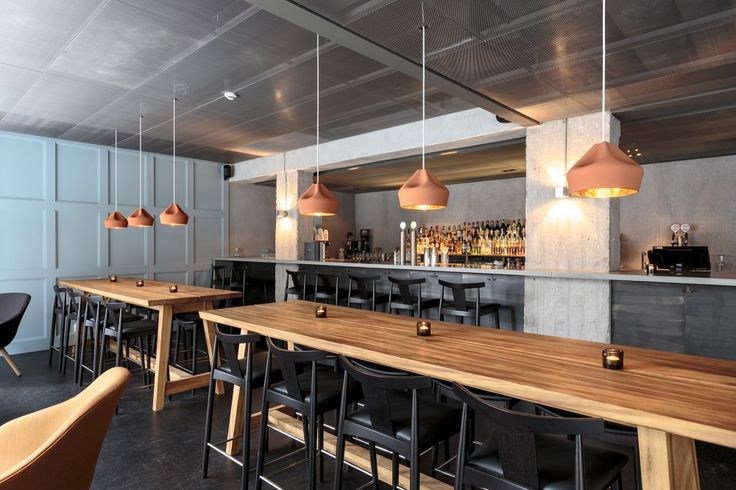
{"x": 252, "y": 218}
{"x": 340, "y": 224}
{"x": 493, "y": 199}
{"x": 699, "y": 192}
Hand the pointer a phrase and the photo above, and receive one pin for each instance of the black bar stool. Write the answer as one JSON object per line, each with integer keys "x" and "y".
{"x": 327, "y": 287}
{"x": 532, "y": 451}
{"x": 365, "y": 286}
{"x": 247, "y": 374}
{"x": 407, "y": 301}
{"x": 394, "y": 418}
{"x": 299, "y": 285}
{"x": 461, "y": 307}
{"x": 312, "y": 392}
{"x": 115, "y": 327}
{"x": 186, "y": 325}
{"x": 58, "y": 319}
{"x": 74, "y": 314}
{"x": 92, "y": 324}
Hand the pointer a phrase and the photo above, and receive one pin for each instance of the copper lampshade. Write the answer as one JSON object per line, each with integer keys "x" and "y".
{"x": 116, "y": 220}
{"x": 422, "y": 191}
{"x": 317, "y": 200}
{"x": 140, "y": 218}
{"x": 604, "y": 171}
{"x": 174, "y": 216}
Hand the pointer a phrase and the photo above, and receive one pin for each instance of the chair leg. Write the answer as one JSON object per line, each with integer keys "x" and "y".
{"x": 414, "y": 466}
{"x": 312, "y": 452}
{"x": 394, "y": 470}
{"x": 374, "y": 464}
{"x": 262, "y": 446}
{"x": 54, "y": 321}
{"x": 247, "y": 410}
{"x": 320, "y": 444}
{"x": 9, "y": 360}
{"x": 208, "y": 427}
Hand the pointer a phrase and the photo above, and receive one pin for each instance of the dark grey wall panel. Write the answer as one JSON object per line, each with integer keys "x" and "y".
{"x": 710, "y": 321}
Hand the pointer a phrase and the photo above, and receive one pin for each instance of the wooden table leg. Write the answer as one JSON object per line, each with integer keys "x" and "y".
{"x": 668, "y": 461}
{"x": 209, "y": 334}
{"x": 235, "y": 426}
{"x": 163, "y": 341}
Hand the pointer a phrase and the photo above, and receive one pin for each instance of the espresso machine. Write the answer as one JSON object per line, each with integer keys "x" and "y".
{"x": 365, "y": 241}
{"x": 679, "y": 256}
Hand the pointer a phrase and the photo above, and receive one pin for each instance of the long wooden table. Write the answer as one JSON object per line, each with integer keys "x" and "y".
{"x": 155, "y": 295}
{"x": 672, "y": 399}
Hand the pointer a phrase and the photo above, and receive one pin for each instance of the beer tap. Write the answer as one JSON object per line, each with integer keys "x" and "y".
{"x": 402, "y": 248}
{"x": 413, "y": 227}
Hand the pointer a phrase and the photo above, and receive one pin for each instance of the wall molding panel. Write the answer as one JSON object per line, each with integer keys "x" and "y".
{"x": 54, "y": 196}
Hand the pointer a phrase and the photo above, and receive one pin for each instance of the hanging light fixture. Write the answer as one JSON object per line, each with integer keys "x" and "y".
{"x": 116, "y": 220}
{"x": 423, "y": 191}
{"x": 604, "y": 170}
{"x": 174, "y": 215}
{"x": 317, "y": 200}
{"x": 140, "y": 218}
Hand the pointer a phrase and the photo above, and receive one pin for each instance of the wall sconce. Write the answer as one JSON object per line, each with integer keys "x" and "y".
{"x": 281, "y": 214}
{"x": 561, "y": 192}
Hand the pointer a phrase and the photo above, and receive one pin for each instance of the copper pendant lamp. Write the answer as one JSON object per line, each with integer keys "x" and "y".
{"x": 140, "y": 218}
{"x": 116, "y": 220}
{"x": 173, "y": 215}
{"x": 604, "y": 170}
{"x": 423, "y": 191}
{"x": 317, "y": 200}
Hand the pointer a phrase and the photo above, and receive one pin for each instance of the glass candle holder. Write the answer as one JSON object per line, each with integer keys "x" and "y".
{"x": 139, "y": 283}
{"x": 613, "y": 358}
{"x": 320, "y": 311}
{"x": 424, "y": 328}
{"x": 113, "y": 278}
{"x": 173, "y": 288}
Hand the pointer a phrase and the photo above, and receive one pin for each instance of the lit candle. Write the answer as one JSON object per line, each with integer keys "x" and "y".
{"x": 320, "y": 311}
{"x": 424, "y": 328}
{"x": 173, "y": 288}
{"x": 139, "y": 283}
{"x": 613, "y": 358}
{"x": 113, "y": 278}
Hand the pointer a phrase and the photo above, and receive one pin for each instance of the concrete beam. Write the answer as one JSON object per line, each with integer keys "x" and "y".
{"x": 460, "y": 129}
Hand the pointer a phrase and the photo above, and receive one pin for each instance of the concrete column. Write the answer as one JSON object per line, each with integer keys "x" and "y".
{"x": 568, "y": 234}
{"x": 293, "y": 230}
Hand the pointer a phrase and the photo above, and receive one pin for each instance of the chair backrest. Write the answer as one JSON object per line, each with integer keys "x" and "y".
{"x": 221, "y": 277}
{"x": 405, "y": 285}
{"x": 365, "y": 285}
{"x": 296, "y": 278}
{"x": 57, "y": 447}
{"x": 459, "y": 300}
{"x": 60, "y": 295}
{"x": 327, "y": 282}
{"x": 114, "y": 315}
{"x": 12, "y": 308}
{"x": 376, "y": 388}
{"x": 290, "y": 362}
{"x": 226, "y": 347}
{"x": 514, "y": 432}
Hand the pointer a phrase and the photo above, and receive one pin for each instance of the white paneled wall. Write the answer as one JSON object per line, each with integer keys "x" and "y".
{"x": 54, "y": 196}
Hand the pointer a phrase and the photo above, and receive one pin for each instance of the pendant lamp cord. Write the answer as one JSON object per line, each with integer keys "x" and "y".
{"x": 317, "y": 108}
{"x": 424, "y": 62}
{"x": 173, "y": 142}
{"x": 116, "y": 169}
{"x": 603, "y": 72}
{"x": 140, "y": 160}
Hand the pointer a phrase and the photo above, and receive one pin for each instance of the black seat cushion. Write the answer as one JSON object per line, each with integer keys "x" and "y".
{"x": 259, "y": 368}
{"x": 445, "y": 388}
{"x": 427, "y": 303}
{"x": 380, "y": 298}
{"x": 556, "y": 463}
{"x": 437, "y": 421}
{"x": 329, "y": 388}
{"x": 139, "y": 328}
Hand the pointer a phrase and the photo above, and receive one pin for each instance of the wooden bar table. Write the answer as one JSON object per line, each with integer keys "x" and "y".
{"x": 155, "y": 295}
{"x": 672, "y": 399}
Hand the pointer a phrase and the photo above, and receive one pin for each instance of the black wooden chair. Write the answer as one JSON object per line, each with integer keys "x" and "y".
{"x": 407, "y": 300}
{"x": 327, "y": 287}
{"x": 462, "y": 307}
{"x": 74, "y": 315}
{"x": 308, "y": 388}
{"x": 248, "y": 374}
{"x": 115, "y": 327}
{"x": 12, "y": 308}
{"x": 532, "y": 451}
{"x": 365, "y": 287}
{"x": 393, "y": 418}
{"x": 58, "y": 318}
{"x": 93, "y": 318}
{"x": 298, "y": 284}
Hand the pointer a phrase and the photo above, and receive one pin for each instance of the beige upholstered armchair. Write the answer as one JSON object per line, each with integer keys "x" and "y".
{"x": 57, "y": 447}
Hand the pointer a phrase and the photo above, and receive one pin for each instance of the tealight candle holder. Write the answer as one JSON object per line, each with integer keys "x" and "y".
{"x": 424, "y": 328}
{"x": 113, "y": 278}
{"x": 139, "y": 283}
{"x": 320, "y": 311}
{"x": 173, "y": 288}
{"x": 613, "y": 358}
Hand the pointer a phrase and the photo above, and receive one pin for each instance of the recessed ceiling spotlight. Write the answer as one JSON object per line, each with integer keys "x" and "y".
{"x": 230, "y": 95}
{"x": 451, "y": 152}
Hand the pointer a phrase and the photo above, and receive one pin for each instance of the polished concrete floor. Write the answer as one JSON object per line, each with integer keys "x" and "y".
{"x": 144, "y": 449}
